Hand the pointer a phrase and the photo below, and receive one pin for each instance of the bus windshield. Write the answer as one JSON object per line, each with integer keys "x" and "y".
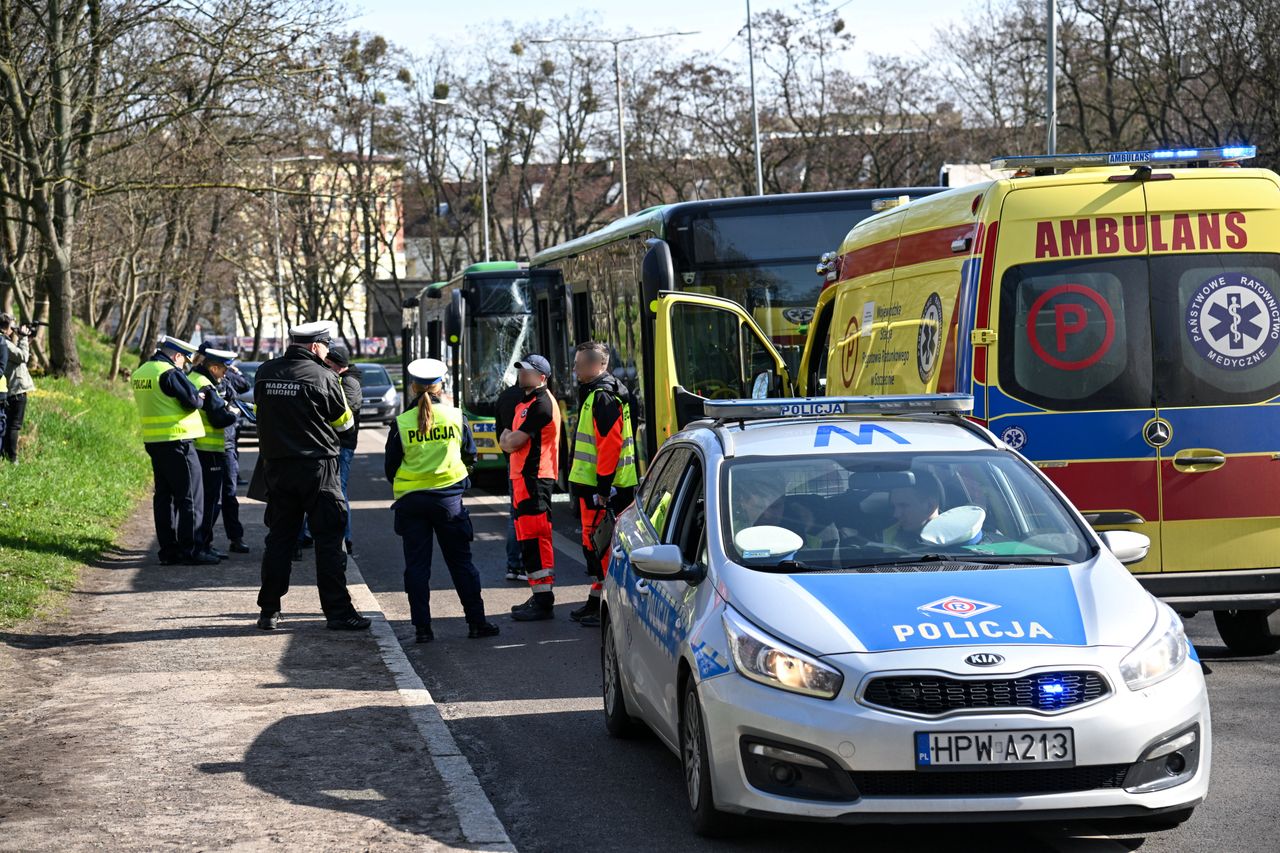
{"x": 762, "y": 256}
{"x": 500, "y": 327}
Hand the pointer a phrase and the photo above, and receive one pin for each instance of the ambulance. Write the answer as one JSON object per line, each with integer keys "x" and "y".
{"x": 1116, "y": 318}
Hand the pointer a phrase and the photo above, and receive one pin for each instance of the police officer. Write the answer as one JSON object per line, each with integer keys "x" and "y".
{"x": 340, "y": 363}
{"x": 301, "y": 410}
{"x": 429, "y": 455}
{"x": 211, "y": 448}
{"x": 603, "y": 474}
{"x": 233, "y": 384}
{"x": 168, "y": 405}
{"x": 533, "y": 452}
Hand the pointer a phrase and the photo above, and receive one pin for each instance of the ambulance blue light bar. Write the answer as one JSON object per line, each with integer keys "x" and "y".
{"x": 816, "y": 407}
{"x": 1158, "y": 157}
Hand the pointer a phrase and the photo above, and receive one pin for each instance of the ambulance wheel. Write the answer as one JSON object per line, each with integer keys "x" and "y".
{"x": 708, "y": 821}
{"x": 1247, "y": 632}
{"x": 617, "y": 720}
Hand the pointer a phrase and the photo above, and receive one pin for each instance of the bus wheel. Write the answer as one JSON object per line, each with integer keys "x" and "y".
{"x": 1247, "y": 632}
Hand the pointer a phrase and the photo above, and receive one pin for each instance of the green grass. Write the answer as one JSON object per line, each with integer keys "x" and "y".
{"x": 83, "y": 470}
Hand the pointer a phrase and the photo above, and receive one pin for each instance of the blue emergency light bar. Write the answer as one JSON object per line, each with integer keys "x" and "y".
{"x": 816, "y": 407}
{"x": 1158, "y": 157}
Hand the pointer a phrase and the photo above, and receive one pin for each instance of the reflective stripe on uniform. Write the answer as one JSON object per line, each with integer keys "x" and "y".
{"x": 345, "y": 421}
{"x": 163, "y": 418}
{"x": 214, "y": 438}
{"x": 432, "y": 460}
{"x": 583, "y": 470}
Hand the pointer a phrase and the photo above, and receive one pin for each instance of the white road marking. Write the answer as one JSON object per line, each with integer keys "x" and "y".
{"x": 519, "y": 707}
{"x": 476, "y": 816}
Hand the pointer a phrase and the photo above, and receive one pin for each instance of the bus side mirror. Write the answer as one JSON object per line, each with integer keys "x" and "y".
{"x": 765, "y": 385}
{"x": 657, "y": 273}
{"x": 453, "y": 317}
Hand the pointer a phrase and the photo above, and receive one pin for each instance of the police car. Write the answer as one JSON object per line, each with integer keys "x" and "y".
{"x": 871, "y": 609}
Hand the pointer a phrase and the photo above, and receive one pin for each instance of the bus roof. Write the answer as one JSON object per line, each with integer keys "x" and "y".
{"x": 654, "y": 219}
{"x": 494, "y": 266}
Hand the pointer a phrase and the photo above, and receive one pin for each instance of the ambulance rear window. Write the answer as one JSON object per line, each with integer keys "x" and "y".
{"x": 1218, "y": 317}
{"x": 1076, "y": 335}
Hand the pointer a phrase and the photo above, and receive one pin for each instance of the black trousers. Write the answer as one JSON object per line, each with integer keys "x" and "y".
{"x": 230, "y": 503}
{"x": 16, "y": 412}
{"x": 178, "y": 498}
{"x": 422, "y": 517}
{"x": 213, "y": 472}
{"x": 309, "y": 489}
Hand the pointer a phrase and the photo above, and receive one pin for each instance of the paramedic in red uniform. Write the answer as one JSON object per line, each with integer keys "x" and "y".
{"x": 533, "y": 448}
{"x": 603, "y": 472}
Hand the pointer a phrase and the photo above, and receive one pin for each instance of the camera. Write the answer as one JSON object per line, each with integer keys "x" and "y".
{"x": 29, "y": 329}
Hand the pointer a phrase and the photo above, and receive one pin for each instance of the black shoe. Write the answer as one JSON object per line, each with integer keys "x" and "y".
{"x": 591, "y": 608}
{"x": 202, "y": 558}
{"x": 171, "y": 561}
{"x": 484, "y": 629}
{"x": 591, "y": 620}
{"x": 526, "y": 604}
{"x": 350, "y": 622}
{"x": 351, "y": 549}
{"x": 516, "y": 573}
{"x": 221, "y": 555}
{"x": 237, "y": 546}
{"x": 537, "y": 608}
{"x": 306, "y": 542}
{"x": 423, "y": 634}
{"x": 269, "y": 620}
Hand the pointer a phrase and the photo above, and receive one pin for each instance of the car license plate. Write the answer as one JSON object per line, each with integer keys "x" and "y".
{"x": 1021, "y": 747}
{"x": 368, "y": 411}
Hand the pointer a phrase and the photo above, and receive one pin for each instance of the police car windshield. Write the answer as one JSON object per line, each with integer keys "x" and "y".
{"x": 878, "y": 510}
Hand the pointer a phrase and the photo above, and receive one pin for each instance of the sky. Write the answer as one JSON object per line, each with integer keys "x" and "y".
{"x": 905, "y": 28}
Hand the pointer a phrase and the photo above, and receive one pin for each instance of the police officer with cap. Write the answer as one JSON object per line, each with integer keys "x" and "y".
{"x": 301, "y": 410}
{"x": 429, "y": 455}
{"x": 211, "y": 448}
{"x": 169, "y": 405}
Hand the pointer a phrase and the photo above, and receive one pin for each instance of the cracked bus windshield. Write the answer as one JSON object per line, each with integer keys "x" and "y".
{"x": 500, "y": 326}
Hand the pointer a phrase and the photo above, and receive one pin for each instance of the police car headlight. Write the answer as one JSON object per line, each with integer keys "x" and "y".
{"x": 768, "y": 661}
{"x": 1159, "y": 654}
{"x": 390, "y": 396}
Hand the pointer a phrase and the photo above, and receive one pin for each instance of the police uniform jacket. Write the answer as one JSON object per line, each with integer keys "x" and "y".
{"x": 394, "y": 455}
{"x": 176, "y": 384}
{"x": 301, "y": 407}
{"x": 216, "y": 408}
{"x": 350, "y": 381}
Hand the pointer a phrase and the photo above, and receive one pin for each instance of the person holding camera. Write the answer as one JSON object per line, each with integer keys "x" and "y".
{"x": 17, "y": 339}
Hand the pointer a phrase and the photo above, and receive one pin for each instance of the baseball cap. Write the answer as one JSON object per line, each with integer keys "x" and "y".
{"x": 535, "y": 362}
{"x": 338, "y": 355}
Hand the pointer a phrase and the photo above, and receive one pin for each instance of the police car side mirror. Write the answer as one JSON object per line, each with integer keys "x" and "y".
{"x": 1126, "y": 545}
{"x": 660, "y": 563}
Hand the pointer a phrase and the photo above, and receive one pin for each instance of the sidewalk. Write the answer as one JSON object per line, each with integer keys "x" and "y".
{"x": 154, "y": 715}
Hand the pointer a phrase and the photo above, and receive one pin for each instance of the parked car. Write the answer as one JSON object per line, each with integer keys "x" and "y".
{"x": 250, "y": 371}
{"x": 381, "y": 403}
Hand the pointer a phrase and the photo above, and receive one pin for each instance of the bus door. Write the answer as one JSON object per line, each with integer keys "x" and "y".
{"x": 1215, "y": 291}
{"x": 551, "y": 331}
{"x": 1069, "y": 364}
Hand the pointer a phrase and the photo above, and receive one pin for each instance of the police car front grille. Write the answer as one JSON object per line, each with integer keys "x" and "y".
{"x": 1007, "y": 783}
{"x": 934, "y": 695}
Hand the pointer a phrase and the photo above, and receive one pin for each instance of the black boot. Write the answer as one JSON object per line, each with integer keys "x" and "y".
{"x": 539, "y": 607}
{"x": 482, "y": 630}
{"x": 269, "y": 620}
{"x": 591, "y": 608}
{"x": 237, "y": 546}
{"x": 423, "y": 634}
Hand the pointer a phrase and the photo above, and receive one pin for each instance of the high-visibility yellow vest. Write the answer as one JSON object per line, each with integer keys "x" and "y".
{"x": 214, "y": 438}
{"x": 432, "y": 460}
{"x": 583, "y": 470}
{"x": 163, "y": 417}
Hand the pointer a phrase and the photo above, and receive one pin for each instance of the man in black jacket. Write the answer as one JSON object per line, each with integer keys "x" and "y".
{"x": 301, "y": 411}
{"x": 211, "y": 448}
{"x": 233, "y": 385}
{"x": 340, "y": 364}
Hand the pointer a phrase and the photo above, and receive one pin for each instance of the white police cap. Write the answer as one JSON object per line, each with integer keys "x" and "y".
{"x": 427, "y": 371}
{"x": 177, "y": 345}
{"x": 320, "y": 332}
{"x": 220, "y": 356}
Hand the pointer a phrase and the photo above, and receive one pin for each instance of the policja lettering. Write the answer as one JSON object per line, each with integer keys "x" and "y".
{"x": 971, "y": 631}
{"x": 442, "y": 432}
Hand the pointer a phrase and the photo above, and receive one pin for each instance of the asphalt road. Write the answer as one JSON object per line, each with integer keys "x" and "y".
{"x": 525, "y": 707}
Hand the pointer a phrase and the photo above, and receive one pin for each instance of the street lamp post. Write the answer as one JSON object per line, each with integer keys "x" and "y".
{"x": 1051, "y": 78}
{"x": 484, "y": 167}
{"x": 755, "y": 112}
{"x": 617, "y": 89}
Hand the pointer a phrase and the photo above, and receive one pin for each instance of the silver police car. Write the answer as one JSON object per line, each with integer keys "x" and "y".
{"x": 871, "y": 609}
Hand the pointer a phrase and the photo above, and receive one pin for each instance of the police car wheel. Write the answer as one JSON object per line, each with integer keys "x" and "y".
{"x": 1247, "y": 632}
{"x": 708, "y": 821}
{"x": 617, "y": 720}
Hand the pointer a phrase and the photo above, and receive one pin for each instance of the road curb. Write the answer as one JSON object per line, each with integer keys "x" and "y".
{"x": 477, "y": 818}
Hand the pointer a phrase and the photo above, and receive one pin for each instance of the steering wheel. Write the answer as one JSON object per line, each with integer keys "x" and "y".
{"x": 716, "y": 390}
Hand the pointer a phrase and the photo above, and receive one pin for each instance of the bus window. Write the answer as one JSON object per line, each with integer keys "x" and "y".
{"x": 1076, "y": 335}
{"x": 707, "y": 345}
{"x": 581, "y": 317}
{"x": 1219, "y": 318}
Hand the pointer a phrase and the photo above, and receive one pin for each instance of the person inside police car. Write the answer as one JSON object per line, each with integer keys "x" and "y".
{"x": 428, "y": 460}
{"x": 914, "y": 506}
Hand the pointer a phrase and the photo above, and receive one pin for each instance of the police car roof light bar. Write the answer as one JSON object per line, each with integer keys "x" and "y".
{"x": 813, "y": 407}
{"x": 1157, "y": 157}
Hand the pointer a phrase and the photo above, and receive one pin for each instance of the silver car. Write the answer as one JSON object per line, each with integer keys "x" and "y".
{"x": 874, "y": 610}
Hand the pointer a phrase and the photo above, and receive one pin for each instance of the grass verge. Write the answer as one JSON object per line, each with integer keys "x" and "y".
{"x": 82, "y": 471}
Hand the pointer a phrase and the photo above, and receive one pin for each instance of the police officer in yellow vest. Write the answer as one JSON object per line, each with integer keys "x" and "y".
{"x": 429, "y": 455}
{"x": 603, "y": 476}
{"x": 169, "y": 407}
{"x": 211, "y": 449}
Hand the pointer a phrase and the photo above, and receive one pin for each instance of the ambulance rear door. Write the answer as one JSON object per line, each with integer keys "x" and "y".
{"x": 1070, "y": 371}
{"x": 1215, "y": 305}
